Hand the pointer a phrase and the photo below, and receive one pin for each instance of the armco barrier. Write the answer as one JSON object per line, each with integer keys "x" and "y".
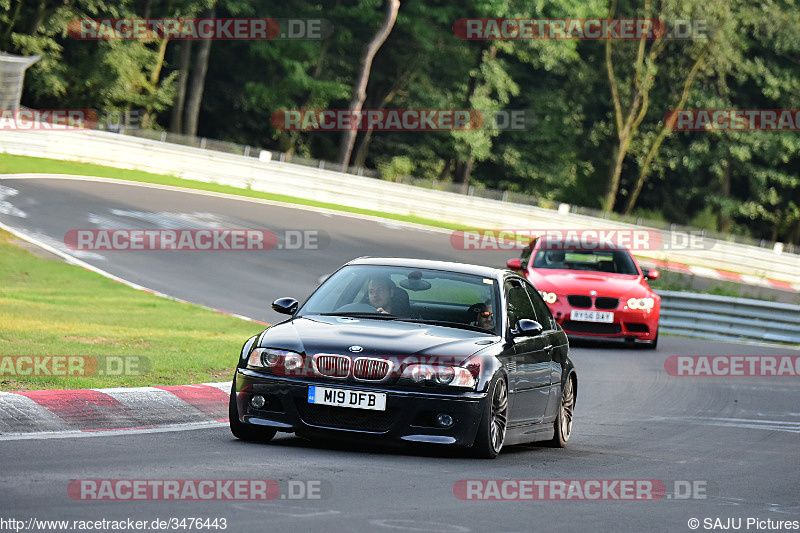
{"x": 366, "y": 193}
{"x": 723, "y": 318}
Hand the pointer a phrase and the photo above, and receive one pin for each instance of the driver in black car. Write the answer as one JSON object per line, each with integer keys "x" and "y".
{"x": 381, "y": 291}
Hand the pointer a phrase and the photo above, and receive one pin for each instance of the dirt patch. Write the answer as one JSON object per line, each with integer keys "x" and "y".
{"x": 108, "y": 341}
{"x": 35, "y": 250}
{"x": 8, "y": 385}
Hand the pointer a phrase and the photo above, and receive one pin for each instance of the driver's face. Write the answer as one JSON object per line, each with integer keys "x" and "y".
{"x": 486, "y": 318}
{"x": 379, "y": 295}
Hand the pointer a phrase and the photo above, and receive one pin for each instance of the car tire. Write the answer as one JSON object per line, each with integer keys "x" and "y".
{"x": 654, "y": 344}
{"x": 243, "y": 431}
{"x": 492, "y": 429}
{"x": 562, "y": 427}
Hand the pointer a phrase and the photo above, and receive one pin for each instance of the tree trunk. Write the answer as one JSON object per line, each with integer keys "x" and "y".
{"x": 13, "y": 21}
{"x": 154, "y": 77}
{"x": 627, "y": 126}
{"x": 724, "y": 221}
{"x": 176, "y": 120}
{"x": 360, "y": 87}
{"x": 41, "y": 12}
{"x": 462, "y": 173}
{"x": 363, "y": 148}
{"x": 197, "y": 83}
{"x": 666, "y": 128}
{"x": 463, "y": 169}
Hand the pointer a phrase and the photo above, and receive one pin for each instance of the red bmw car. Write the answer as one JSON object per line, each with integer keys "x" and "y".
{"x": 594, "y": 290}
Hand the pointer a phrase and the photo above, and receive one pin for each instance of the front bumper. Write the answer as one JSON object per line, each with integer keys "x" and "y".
{"x": 628, "y": 324}
{"x": 409, "y": 416}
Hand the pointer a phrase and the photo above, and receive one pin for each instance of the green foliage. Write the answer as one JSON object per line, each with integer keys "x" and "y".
{"x": 705, "y": 219}
{"x": 732, "y": 181}
{"x": 398, "y": 166}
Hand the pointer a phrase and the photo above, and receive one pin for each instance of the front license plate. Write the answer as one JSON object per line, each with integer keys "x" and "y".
{"x": 347, "y": 398}
{"x": 592, "y": 316}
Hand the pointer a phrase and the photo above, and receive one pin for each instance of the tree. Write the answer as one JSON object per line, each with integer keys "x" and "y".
{"x": 630, "y": 96}
{"x": 360, "y": 86}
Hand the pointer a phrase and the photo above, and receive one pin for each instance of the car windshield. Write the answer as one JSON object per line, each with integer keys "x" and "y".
{"x": 409, "y": 294}
{"x": 612, "y": 261}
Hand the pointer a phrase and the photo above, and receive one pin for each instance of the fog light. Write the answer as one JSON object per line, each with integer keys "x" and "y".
{"x": 444, "y": 420}
{"x": 258, "y": 401}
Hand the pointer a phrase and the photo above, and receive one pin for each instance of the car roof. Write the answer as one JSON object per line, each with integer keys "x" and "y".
{"x": 450, "y": 266}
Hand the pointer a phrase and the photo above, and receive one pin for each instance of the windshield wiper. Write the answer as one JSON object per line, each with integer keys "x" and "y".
{"x": 446, "y": 323}
{"x": 356, "y": 314}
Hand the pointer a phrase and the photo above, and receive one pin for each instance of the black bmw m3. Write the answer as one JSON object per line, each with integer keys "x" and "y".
{"x": 410, "y": 350}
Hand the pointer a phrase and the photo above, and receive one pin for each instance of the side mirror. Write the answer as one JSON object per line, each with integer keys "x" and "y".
{"x": 514, "y": 264}
{"x": 526, "y": 328}
{"x": 285, "y": 306}
{"x": 650, "y": 273}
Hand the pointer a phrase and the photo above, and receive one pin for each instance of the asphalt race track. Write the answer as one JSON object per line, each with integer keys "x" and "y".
{"x": 725, "y": 448}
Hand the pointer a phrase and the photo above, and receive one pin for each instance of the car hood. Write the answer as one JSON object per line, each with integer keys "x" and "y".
{"x": 331, "y": 334}
{"x": 574, "y": 282}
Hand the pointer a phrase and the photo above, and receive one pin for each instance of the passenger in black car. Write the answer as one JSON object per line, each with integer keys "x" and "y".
{"x": 486, "y": 316}
{"x": 482, "y": 315}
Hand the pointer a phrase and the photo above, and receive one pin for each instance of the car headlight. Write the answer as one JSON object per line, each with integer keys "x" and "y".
{"x": 549, "y": 297}
{"x": 279, "y": 361}
{"x": 644, "y": 304}
{"x": 438, "y": 374}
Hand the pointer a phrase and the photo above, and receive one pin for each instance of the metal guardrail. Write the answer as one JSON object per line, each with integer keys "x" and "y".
{"x": 752, "y": 263}
{"x": 724, "y": 318}
{"x": 479, "y": 192}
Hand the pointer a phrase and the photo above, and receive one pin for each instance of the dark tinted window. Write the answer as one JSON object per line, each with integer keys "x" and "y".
{"x": 518, "y": 304}
{"x": 526, "y": 254}
{"x": 543, "y": 315}
{"x": 614, "y": 261}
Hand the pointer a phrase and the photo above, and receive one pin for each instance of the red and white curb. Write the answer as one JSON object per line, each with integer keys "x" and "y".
{"x": 61, "y": 412}
{"x": 722, "y": 275}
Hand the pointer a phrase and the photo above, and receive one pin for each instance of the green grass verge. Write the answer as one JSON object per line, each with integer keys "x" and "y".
{"x": 15, "y": 164}
{"x": 49, "y": 308}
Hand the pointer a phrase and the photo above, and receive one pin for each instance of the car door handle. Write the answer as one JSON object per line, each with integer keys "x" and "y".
{"x": 548, "y": 348}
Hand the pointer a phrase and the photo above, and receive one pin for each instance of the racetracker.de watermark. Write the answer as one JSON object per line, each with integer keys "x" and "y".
{"x": 442, "y": 368}
{"x": 197, "y": 489}
{"x": 588, "y": 29}
{"x": 194, "y": 240}
{"x": 635, "y": 240}
{"x": 646, "y": 490}
{"x": 202, "y": 29}
{"x": 398, "y": 119}
{"x": 47, "y": 119}
{"x": 73, "y": 365}
{"x": 733, "y": 365}
{"x": 733, "y": 119}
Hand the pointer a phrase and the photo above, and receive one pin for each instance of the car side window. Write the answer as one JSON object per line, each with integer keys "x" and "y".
{"x": 543, "y": 314}
{"x": 518, "y": 305}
